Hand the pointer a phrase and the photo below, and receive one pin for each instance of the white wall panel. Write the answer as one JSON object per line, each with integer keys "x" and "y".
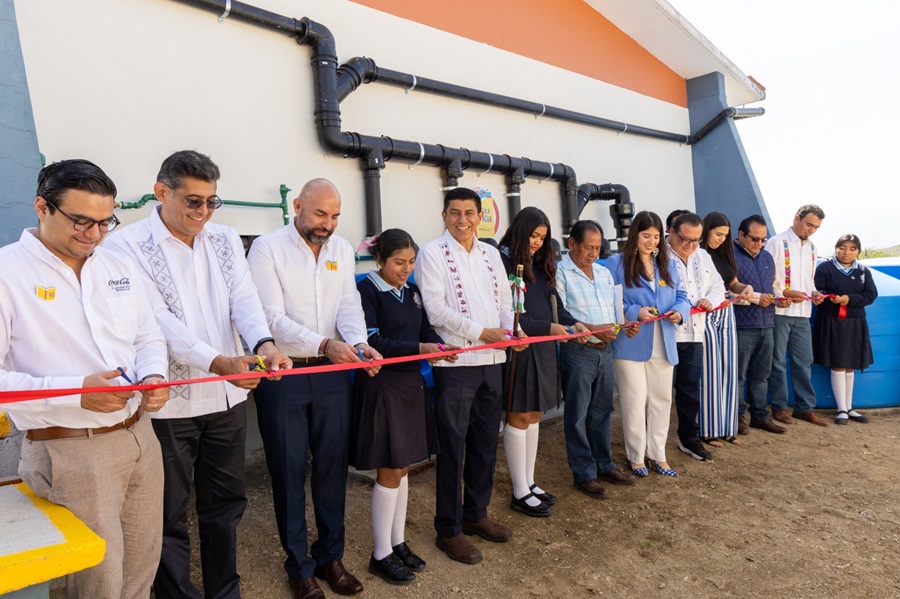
{"x": 127, "y": 83}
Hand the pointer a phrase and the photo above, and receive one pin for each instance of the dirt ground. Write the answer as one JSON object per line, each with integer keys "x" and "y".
{"x": 811, "y": 513}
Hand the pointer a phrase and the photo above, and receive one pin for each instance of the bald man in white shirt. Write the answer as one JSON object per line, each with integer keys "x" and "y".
{"x": 307, "y": 284}
{"x": 73, "y": 315}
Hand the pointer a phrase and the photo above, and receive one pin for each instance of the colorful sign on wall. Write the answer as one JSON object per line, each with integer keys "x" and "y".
{"x": 490, "y": 219}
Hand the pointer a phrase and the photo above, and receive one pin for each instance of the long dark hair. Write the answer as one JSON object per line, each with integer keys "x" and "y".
{"x": 725, "y": 251}
{"x": 518, "y": 241}
{"x": 631, "y": 263}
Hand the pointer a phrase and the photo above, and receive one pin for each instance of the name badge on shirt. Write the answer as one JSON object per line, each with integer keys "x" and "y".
{"x": 48, "y": 294}
{"x": 331, "y": 265}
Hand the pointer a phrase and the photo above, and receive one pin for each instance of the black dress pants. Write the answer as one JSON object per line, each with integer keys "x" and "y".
{"x": 207, "y": 451}
{"x": 467, "y": 417}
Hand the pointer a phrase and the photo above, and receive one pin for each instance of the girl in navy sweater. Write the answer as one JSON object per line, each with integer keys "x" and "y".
{"x": 840, "y": 332}
{"x": 393, "y": 423}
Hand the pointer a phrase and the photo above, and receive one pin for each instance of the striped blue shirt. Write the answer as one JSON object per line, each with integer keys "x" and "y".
{"x": 590, "y": 302}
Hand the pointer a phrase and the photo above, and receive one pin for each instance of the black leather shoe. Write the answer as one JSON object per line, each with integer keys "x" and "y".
{"x": 391, "y": 570}
{"x": 409, "y": 559}
{"x": 541, "y": 510}
{"x": 548, "y": 498}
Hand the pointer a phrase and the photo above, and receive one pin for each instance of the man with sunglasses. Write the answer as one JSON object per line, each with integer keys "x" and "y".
{"x": 73, "y": 315}
{"x": 755, "y": 323}
{"x": 706, "y": 290}
{"x": 203, "y": 295}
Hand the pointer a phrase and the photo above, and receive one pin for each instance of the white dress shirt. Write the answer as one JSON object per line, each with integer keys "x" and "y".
{"x": 802, "y": 270}
{"x": 701, "y": 281}
{"x": 479, "y": 287}
{"x": 55, "y": 331}
{"x": 210, "y": 288}
{"x": 307, "y": 300}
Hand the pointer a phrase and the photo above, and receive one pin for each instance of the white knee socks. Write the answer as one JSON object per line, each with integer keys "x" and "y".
{"x": 515, "y": 444}
{"x": 848, "y": 377}
{"x": 384, "y": 505}
{"x": 398, "y": 528}
{"x": 531, "y": 435}
{"x": 839, "y": 388}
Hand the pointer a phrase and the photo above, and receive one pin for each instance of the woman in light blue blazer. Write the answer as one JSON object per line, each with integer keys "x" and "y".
{"x": 644, "y": 361}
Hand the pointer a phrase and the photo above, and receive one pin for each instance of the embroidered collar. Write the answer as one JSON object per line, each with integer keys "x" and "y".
{"x": 791, "y": 237}
{"x": 447, "y": 251}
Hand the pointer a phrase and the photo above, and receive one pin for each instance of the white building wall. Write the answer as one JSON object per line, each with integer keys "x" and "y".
{"x": 126, "y": 83}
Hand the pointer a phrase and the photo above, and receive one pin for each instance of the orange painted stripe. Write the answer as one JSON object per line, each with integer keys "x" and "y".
{"x": 567, "y": 34}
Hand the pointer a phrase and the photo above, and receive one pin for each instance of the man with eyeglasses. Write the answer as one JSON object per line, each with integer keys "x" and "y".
{"x": 73, "y": 315}
{"x": 203, "y": 296}
{"x": 705, "y": 288}
{"x": 795, "y": 266}
{"x": 755, "y": 322}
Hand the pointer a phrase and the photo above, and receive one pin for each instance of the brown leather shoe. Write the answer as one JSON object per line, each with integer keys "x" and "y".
{"x": 767, "y": 425}
{"x": 616, "y": 477}
{"x": 340, "y": 581}
{"x": 487, "y": 530}
{"x": 782, "y": 416}
{"x": 810, "y": 416}
{"x": 307, "y": 588}
{"x": 592, "y": 488}
{"x": 742, "y": 426}
{"x": 459, "y": 548}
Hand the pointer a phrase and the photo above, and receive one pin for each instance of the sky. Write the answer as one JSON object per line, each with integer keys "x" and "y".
{"x": 831, "y": 130}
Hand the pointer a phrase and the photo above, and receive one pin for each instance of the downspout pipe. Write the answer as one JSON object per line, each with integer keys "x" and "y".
{"x": 514, "y": 181}
{"x": 732, "y": 113}
{"x": 621, "y": 211}
{"x": 372, "y": 165}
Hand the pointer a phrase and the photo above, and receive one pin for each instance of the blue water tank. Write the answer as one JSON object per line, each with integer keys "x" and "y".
{"x": 878, "y": 386}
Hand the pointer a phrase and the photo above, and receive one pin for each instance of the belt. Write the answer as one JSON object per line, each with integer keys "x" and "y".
{"x": 601, "y": 345}
{"x": 61, "y": 432}
{"x": 308, "y": 361}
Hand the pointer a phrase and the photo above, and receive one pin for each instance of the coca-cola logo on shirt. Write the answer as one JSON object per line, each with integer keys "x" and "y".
{"x": 123, "y": 284}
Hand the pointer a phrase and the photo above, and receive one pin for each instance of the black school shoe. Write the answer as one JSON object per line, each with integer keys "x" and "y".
{"x": 857, "y": 417}
{"x": 409, "y": 559}
{"x": 391, "y": 570}
{"x": 541, "y": 510}
{"x": 548, "y": 498}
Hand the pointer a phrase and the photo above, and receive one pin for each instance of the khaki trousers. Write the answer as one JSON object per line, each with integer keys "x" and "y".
{"x": 114, "y": 484}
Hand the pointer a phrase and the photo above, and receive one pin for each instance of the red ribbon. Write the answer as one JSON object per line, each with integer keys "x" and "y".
{"x": 32, "y": 394}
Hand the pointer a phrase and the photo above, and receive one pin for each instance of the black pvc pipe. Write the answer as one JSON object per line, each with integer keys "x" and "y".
{"x": 372, "y": 166}
{"x": 514, "y": 181}
{"x": 622, "y": 209}
{"x": 332, "y": 84}
{"x": 252, "y": 14}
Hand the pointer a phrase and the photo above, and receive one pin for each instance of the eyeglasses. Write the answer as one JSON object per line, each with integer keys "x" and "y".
{"x": 685, "y": 241}
{"x": 212, "y": 204}
{"x": 83, "y": 223}
{"x": 756, "y": 239}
